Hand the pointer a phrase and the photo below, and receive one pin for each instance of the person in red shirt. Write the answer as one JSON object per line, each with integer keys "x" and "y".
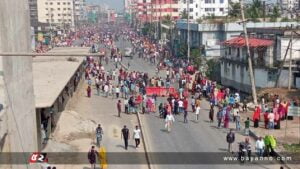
{"x": 185, "y": 104}
{"x": 256, "y": 116}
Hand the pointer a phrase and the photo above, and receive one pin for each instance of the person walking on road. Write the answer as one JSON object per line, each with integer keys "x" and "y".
{"x": 185, "y": 120}
{"x": 92, "y": 157}
{"x": 99, "y": 133}
{"x": 197, "y": 112}
{"x": 119, "y": 107}
{"x": 89, "y": 91}
{"x": 169, "y": 120}
{"x": 260, "y": 146}
{"x": 220, "y": 117}
{"x": 211, "y": 113}
{"x": 125, "y": 136}
{"x": 137, "y": 136}
{"x": 230, "y": 138}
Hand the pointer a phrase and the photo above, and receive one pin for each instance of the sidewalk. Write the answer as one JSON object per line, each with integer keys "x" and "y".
{"x": 76, "y": 126}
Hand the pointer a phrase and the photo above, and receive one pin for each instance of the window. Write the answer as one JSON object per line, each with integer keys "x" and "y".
{"x": 46, "y": 8}
{"x": 221, "y": 1}
{"x": 64, "y": 14}
{"x": 175, "y": 10}
{"x": 46, "y": 3}
{"x": 65, "y": 9}
{"x": 221, "y": 9}
{"x": 64, "y": 3}
{"x": 47, "y": 14}
{"x": 70, "y": 20}
{"x": 52, "y": 9}
{"x": 238, "y": 52}
{"x": 51, "y": 3}
{"x": 58, "y": 14}
{"x": 58, "y": 3}
{"x": 196, "y": 5}
{"x": 69, "y": 14}
{"x": 69, "y": 3}
{"x": 208, "y": 1}
{"x": 191, "y": 9}
{"x": 69, "y": 8}
{"x": 47, "y": 20}
{"x": 213, "y": 1}
{"x": 229, "y": 51}
{"x": 58, "y": 9}
{"x": 191, "y": 1}
{"x": 59, "y": 20}
{"x": 196, "y": 13}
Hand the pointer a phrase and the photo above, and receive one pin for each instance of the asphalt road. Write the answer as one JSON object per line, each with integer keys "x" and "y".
{"x": 204, "y": 145}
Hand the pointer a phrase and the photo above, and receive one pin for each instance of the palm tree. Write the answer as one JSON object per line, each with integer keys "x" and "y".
{"x": 255, "y": 10}
{"x": 167, "y": 20}
{"x": 234, "y": 9}
{"x": 184, "y": 15}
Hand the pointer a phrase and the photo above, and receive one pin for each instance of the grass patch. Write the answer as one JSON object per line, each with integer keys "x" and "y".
{"x": 292, "y": 147}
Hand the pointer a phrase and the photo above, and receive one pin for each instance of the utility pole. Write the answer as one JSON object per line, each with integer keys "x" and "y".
{"x": 264, "y": 10}
{"x": 251, "y": 74}
{"x": 188, "y": 30}
{"x": 290, "y": 62}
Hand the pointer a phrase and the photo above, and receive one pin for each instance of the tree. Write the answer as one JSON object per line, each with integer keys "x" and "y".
{"x": 167, "y": 20}
{"x": 255, "y": 10}
{"x": 234, "y": 9}
{"x": 199, "y": 20}
{"x": 184, "y": 15}
{"x": 275, "y": 14}
{"x": 196, "y": 57}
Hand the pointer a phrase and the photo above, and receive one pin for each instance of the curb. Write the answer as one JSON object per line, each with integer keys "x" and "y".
{"x": 253, "y": 135}
{"x": 143, "y": 140}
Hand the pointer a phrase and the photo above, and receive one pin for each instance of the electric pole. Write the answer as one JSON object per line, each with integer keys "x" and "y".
{"x": 290, "y": 61}
{"x": 251, "y": 74}
{"x": 188, "y": 30}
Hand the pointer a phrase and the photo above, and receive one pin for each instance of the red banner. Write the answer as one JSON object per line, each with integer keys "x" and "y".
{"x": 160, "y": 91}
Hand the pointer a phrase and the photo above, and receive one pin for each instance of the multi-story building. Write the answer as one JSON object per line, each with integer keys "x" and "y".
{"x": 79, "y": 6}
{"x": 33, "y": 11}
{"x": 56, "y": 12}
{"x": 163, "y": 8}
{"x": 202, "y": 8}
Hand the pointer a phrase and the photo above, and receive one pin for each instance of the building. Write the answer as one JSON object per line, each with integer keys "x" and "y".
{"x": 163, "y": 8}
{"x": 33, "y": 11}
{"x": 79, "y": 15}
{"x": 55, "y": 79}
{"x": 58, "y": 13}
{"x": 204, "y": 8}
{"x": 209, "y": 36}
{"x": 268, "y": 51}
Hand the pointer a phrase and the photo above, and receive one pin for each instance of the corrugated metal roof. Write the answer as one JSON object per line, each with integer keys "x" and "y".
{"x": 253, "y": 42}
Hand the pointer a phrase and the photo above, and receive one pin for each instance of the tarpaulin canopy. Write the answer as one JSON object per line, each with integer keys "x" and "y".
{"x": 253, "y": 42}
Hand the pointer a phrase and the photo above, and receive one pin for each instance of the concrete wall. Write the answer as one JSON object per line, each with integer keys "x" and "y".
{"x": 237, "y": 76}
{"x": 17, "y": 83}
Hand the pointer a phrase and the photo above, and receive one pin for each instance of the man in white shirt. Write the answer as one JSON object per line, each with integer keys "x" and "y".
{"x": 180, "y": 106}
{"x": 260, "y": 146}
{"x": 197, "y": 111}
{"x": 271, "y": 120}
{"x": 137, "y": 136}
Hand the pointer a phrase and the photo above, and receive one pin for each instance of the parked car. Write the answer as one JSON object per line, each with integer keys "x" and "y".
{"x": 128, "y": 52}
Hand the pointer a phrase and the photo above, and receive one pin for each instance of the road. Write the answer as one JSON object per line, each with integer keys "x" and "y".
{"x": 202, "y": 138}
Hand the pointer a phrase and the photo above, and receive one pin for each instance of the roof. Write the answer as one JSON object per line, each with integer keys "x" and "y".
{"x": 52, "y": 73}
{"x": 253, "y": 42}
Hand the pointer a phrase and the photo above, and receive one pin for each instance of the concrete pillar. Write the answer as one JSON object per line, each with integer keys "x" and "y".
{"x": 18, "y": 78}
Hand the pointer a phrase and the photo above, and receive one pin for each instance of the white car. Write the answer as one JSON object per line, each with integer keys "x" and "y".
{"x": 128, "y": 52}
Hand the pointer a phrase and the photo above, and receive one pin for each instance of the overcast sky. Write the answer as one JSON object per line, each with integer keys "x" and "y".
{"x": 114, "y": 4}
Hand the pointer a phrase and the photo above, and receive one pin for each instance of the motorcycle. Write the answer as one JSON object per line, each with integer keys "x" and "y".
{"x": 242, "y": 152}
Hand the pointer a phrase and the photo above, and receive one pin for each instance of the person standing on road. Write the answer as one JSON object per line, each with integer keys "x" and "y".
{"x": 220, "y": 117}
{"x": 260, "y": 146}
{"x": 119, "y": 107}
{"x": 185, "y": 120}
{"x": 99, "y": 133}
{"x": 230, "y": 138}
{"x": 137, "y": 136}
{"x": 197, "y": 112}
{"x": 89, "y": 91}
{"x": 211, "y": 113}
{"x": 92, "y": 157}
{"x": 125, "y": 136}
{"x": 169, "y": 120}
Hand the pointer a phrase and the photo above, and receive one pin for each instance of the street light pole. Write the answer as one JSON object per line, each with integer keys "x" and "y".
{"x": 290, "y": 62}
{"x": 188, "y": 30}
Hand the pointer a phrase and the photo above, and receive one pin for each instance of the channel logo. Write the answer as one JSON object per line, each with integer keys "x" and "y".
{"x": 38, "y": 158}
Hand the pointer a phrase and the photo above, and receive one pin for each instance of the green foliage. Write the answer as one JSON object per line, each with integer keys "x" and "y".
{"x": 196, "y": 57}
{"x": 255, "y": 10}
{"x": 285, "y": 19}
{"x": 199, "y": 20}
{"x": 147, "y": 29}
{"x": 167, "y": 20}
{"x": 234, "y": 10}
{"x": 212, "y": 68}
{"x": 184, "y": 15}
{"x": 182, "y": 50}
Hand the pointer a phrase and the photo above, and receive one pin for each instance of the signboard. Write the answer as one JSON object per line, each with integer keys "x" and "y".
{"x": 294, "y": 111}
{"x": 40, "y": 37}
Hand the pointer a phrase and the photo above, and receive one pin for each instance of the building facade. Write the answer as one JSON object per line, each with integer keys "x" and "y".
{"x": 57, "y": 12}
{"x": 204, "y": 8}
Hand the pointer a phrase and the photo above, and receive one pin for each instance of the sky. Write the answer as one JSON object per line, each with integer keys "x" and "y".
{"x": 114, "y": 4}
